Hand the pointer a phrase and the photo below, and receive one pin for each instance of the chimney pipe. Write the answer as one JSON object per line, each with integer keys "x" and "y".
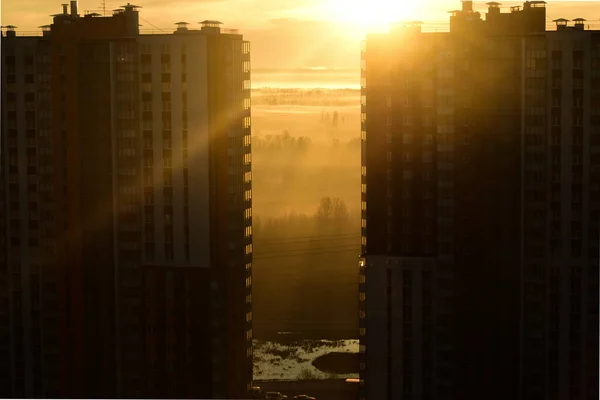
{"x": 467, "y": 5}
{"x": 10, "y": 31}
{"x": 73, "y": 8}
{"x": 65, "y": 10}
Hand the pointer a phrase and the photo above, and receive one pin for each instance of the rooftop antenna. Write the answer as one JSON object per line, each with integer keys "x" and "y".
{"x": 103, "y": 7}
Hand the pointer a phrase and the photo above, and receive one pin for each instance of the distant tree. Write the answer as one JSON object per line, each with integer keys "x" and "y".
{"x": 256, "y": 226}
{"x": 325, "y": 210}
{"x": 340, "y": 211}
{"x": 332, "y": 210}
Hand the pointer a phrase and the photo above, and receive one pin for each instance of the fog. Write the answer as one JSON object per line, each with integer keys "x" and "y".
{"x": 306, "y": 212}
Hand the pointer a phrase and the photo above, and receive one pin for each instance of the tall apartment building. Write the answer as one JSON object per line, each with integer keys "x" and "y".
{"x": 126, "y": 223}
{"x": 480, "y": 209}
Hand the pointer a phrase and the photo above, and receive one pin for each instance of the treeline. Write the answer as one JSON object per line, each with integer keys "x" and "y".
{"x": 285, "y": 142}
{"x": 308, "y": 97}
{"x": 331, "y": 217}
{"x": 281, "y": 142}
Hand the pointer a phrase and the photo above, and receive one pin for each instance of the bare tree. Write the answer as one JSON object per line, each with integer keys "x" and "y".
{"x": 332, "y": 210}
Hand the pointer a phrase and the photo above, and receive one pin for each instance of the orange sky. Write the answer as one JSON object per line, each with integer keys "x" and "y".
{"x": 287, "y": 33}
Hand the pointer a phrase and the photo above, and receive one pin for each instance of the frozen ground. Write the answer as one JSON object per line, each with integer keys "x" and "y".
{"x": 276, "y": 361}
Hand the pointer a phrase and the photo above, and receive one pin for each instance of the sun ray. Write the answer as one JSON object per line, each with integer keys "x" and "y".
{"x": 372, "y": 14}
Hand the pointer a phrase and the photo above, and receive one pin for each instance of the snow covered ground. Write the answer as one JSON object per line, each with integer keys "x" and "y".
{"x": 276, "y": 361}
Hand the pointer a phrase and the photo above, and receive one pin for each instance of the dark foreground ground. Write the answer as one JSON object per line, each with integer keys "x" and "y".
{"x": 331, "y": 389}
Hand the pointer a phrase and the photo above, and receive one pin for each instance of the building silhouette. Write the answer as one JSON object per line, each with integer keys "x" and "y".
{"x": 126, "y": 242}
{"x": 480, "y": 209}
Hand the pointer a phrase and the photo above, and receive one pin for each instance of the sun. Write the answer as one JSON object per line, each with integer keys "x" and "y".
{"x": 372, "y": 14}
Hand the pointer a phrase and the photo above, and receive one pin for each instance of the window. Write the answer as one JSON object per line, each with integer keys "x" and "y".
{"x": 168, "y": 178}
{"x": 168, "y": 252}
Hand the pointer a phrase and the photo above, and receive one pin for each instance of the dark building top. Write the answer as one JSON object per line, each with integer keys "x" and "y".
{"x": 124, "y": 22}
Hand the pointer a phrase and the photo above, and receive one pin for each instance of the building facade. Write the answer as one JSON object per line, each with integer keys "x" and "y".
{"x": 126, "y": 174}
{"x": 460, "y": 131}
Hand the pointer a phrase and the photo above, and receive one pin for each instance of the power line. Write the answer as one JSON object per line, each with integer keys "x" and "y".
{"x": 260, "y": 244}
{"x": 290, "y": 251}
{"x": 151, "y": 24}
{"x": 308, "y": 254}
{"x": 309, "y": 237}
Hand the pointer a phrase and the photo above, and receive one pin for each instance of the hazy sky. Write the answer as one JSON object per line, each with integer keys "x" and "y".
{"x": 287, "y": 33}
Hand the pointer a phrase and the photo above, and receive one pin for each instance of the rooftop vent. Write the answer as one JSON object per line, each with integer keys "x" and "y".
{"x": 74, "y": 8}
{"x": 65, "y": 8}
{"x": 10, "y": 30}
{"x": 561, "y": 23}
{"x": 45, "y": 29}
{"x": 515, "y": 9}
{"x": 579, "y": 23}
{"x": 211, "y": 23}
{"x": 181, "y": 26}
{"x": 130, "y": 7}
{"x": 534, "y": 4}
{"x": 493, "y": 7}
{"x": 211, "y": 26}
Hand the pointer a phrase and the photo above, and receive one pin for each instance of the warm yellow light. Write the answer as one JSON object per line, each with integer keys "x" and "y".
{"x": 372, "y": 14}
